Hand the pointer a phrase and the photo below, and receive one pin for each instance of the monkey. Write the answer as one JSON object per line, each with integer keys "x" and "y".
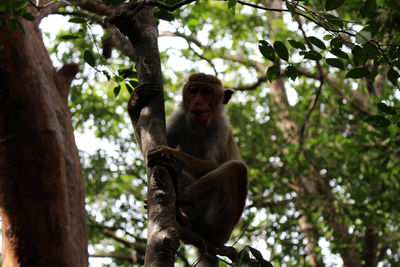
{"x": 210, "y": 174}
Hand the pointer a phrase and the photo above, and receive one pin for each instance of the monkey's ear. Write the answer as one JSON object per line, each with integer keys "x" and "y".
{"x": 227, "y": 95}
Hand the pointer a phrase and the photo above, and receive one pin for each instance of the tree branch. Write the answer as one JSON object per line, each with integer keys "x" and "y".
{"x": 97, "y": 7}
{"x": 253, "y": 86}
{"x": 334, "y": 84}
{"x": 235, "y": 58}
{"x": 324, "y": 24}
{"x": 303, "y": 127}
{"x": 166, "y": 6}
{"x": 146, "y": 110}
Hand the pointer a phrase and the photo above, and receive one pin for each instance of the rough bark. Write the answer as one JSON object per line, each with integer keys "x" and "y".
{"x": 146, "y": 109}
{"x": 41, "y": 184}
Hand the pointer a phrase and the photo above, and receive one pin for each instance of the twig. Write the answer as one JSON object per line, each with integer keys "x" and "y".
{"x": 166, "y": 6}
{"x": 317, "y": 94}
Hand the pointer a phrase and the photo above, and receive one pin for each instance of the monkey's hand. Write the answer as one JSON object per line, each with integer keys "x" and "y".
{"x": 167, "y": 157}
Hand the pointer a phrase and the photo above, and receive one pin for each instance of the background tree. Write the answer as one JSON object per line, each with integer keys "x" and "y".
{"x": 316, "y": 117}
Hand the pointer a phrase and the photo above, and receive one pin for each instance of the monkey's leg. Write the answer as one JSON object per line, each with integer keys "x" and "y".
{"x": 223, "y": 193}
{"x": 204, "y": 246}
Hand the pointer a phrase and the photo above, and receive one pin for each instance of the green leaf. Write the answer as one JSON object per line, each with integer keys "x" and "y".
{"x": 396, "y": 169}
{"x": 273, "y": 72}
{"x": 317, "y": 42}
{"x": 357, "y": 73}
{"x": 266, "y": 50}
{"x": 313, "y": 55}
{"x": 359, "y": 57}
{"x": 333, "y": 4}
{"x": 291, "y": 8}
{"x": 334, "y": 62}
{"x": 68, "y": 37}
{"x": 260, "y": 260}
{"x": 1, "y": 48}
{"x": 127, "y": 73}
{"x": 367, "y": 9}
{"x": 296, "y": 44}
{"x": 335, "y": 21}
{"x": 393, "y": 76}
{"x": 89, "y": 58}
{"x": 395, "y": 40}
{"x": 77, "y": 20}
{"x": 371, "y": 51}
{"x": 291, "y": 72}
{"x": 393, "y": 4}
{"x": 129, "y": 87}
{"x": 336, "y": 43}
{"x": 107, "y": 75}
{"x": 363, "y": 37}
{"x": 371, "y": 76}
{"x": 281, "y": 50}
{"x": 28, "y": 16}
{"x": 339, "y": 53}
{"x": 243, "y": 258}
{"x": 117, "y": 89}
{"x": 232, "y": 4}
{"x": 377, "y": 121}
{"x": 373, "y": 27}
{"x": 327, "y": 37}
{"x": 19, "y": 4}
{"x": 386, "y": 109}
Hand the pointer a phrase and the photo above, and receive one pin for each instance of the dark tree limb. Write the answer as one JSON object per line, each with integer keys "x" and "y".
{"x": 146, "y": 109}
{"x": 166, "y": 6}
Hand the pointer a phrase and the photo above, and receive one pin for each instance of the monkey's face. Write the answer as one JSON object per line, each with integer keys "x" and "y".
{"x": 201, "y": 102}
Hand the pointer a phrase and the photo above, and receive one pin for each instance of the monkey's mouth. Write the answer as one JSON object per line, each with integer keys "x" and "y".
{"x": 199, "y": 115}
{"x": 198, "y": 112}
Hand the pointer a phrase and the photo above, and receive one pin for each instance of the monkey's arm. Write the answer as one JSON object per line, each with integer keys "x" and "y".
{"x": 194, "y": 166}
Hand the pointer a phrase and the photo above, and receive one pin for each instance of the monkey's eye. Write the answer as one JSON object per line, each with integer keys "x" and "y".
{"x": 206, "y": 91}
{"x": 193, "y": 90}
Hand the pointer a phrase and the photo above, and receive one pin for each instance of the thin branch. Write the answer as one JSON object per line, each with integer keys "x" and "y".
{"x": 165, "y": 6}
{"x": 97, "y": 7}
{"x": 334, "y": 84}
{"x": 48, "y": 9}
{"x": 108, "y": 231}
{"x": 190, "y": 39}
{"x": 306, "y": 10}
{"x": 187, "y": 38}
{"x": 209, "y": 61}
{"x": 38, "y": 7}
{"x": 317, "y": 94}
{"x": 253, "y": 86}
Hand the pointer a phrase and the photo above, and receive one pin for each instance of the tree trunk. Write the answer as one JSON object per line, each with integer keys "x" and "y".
{"x": 41, "y": 184}
{"x": 146, "y": 109}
